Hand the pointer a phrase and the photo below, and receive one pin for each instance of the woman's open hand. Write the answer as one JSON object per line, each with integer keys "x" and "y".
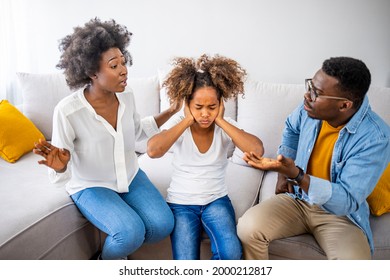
{"x": 54, "y": 157}
{"x": 175, "y": 106}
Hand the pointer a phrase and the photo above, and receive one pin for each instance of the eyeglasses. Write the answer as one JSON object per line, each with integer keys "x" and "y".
{"x": 314, "y": 94}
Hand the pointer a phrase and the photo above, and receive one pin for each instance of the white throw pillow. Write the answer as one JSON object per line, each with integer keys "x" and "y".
{"x": 146, "y": 95}
{"x": 263, "y": 112}
{"x": 41, "y": 93}
{"x": 147, "y": 101}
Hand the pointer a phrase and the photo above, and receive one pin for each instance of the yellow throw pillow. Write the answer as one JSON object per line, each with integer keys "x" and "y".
{"x": 17, "y": 133}
{"x": 379, "y": 199}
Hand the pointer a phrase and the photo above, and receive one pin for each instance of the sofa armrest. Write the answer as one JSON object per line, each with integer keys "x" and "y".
{"x": 268, "y": 185}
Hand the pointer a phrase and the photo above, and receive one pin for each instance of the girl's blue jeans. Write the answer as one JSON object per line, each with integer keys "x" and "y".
{"x": 129, "y": 219}
{"x": 217, "y": 219}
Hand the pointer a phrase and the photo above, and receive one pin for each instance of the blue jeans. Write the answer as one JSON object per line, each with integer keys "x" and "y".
{"x": 129, "y": 219}
{"x": 217, "y": 219}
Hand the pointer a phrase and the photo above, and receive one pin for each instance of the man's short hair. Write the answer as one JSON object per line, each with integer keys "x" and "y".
{"x": 353, "y": 75}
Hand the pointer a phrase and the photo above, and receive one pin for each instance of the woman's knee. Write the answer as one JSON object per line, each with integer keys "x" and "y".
{"x": 132, "y": 232}
{"x": 124, "y": 240}
{"x": 160, "y": 227}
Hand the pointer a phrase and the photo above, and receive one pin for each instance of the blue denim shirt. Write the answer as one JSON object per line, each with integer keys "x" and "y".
{"x": 360, "y": 155}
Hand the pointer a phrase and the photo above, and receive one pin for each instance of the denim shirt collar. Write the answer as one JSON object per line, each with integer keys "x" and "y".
{"x": 358, "y": 117}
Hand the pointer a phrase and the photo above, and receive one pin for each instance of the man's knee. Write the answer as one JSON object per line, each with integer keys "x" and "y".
{"x": 247, "y": 226}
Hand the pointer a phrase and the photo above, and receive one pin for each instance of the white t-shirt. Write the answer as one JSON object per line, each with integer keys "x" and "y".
{"x": 199, "y": 178}
{"x": 100, "y": 155}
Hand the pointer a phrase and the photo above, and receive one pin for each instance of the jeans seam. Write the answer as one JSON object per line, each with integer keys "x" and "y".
{"x": 213, "y": 239}
{"x": 151, "y": 231}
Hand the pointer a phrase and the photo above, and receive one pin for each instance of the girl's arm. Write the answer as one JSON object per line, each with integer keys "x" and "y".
{"x": 160, "y": 143}
{"x": 246, "y": 142}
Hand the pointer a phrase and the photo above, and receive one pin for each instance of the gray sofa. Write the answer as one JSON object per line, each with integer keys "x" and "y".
{"x": 40, "y": 221}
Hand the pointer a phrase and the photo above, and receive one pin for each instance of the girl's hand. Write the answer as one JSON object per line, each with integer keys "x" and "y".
{"x": 221, "y": 111}
{"x": 54, "y": 157}
{"x": 187, "y": 113}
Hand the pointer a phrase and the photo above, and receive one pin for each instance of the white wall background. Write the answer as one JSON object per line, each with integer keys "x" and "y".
{"x": 275, "y": 40}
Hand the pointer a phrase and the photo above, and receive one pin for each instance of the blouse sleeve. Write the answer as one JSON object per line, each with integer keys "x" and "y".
{"x": 63, "y": 137}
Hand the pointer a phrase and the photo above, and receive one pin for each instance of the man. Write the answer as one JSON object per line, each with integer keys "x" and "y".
{"x": 333, "y": 151}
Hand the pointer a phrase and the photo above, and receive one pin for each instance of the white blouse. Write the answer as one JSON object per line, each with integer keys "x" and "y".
{"x": 100, "y": 155}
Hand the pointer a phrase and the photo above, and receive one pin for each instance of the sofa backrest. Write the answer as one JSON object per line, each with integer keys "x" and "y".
{"x": 266, "y": 106}
{"x": 40, "y": 93}
{"x": 262, "y": 111}
{"x": 379, "y": 98}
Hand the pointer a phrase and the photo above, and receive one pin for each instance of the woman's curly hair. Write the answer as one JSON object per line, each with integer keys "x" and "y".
{"x": 188, "y": 75}
{"x": 82, "y": 50}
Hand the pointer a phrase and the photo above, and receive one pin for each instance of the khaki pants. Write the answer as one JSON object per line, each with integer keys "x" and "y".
{"x": 283, "y": 216}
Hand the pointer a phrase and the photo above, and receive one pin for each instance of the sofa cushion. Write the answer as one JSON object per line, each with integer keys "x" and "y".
{"x": 380, "y": 230}
{"x": 243, "y": 182}
{"x": 379, "y": 199}
{"x": 39, "y": 220}
{"x": 17, "y": 135}
{"x": 263, "y": 112}
{"x": 379, "y": 98}
{"x": 41, "y": 93}
{"x": 146, "y": 93}
{"x": 300, "y": 247}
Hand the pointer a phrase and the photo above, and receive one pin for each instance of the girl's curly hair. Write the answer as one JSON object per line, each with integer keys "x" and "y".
{"x": 188, "y": 75}
{"x": 82, "y": 50}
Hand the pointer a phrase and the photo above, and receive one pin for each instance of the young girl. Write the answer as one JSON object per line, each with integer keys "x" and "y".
{"x": 198, "y": 193}
{"x": 93, "y": 142}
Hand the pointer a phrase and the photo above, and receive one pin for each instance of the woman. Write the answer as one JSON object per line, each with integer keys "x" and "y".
{"x": 93, "y": 142}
